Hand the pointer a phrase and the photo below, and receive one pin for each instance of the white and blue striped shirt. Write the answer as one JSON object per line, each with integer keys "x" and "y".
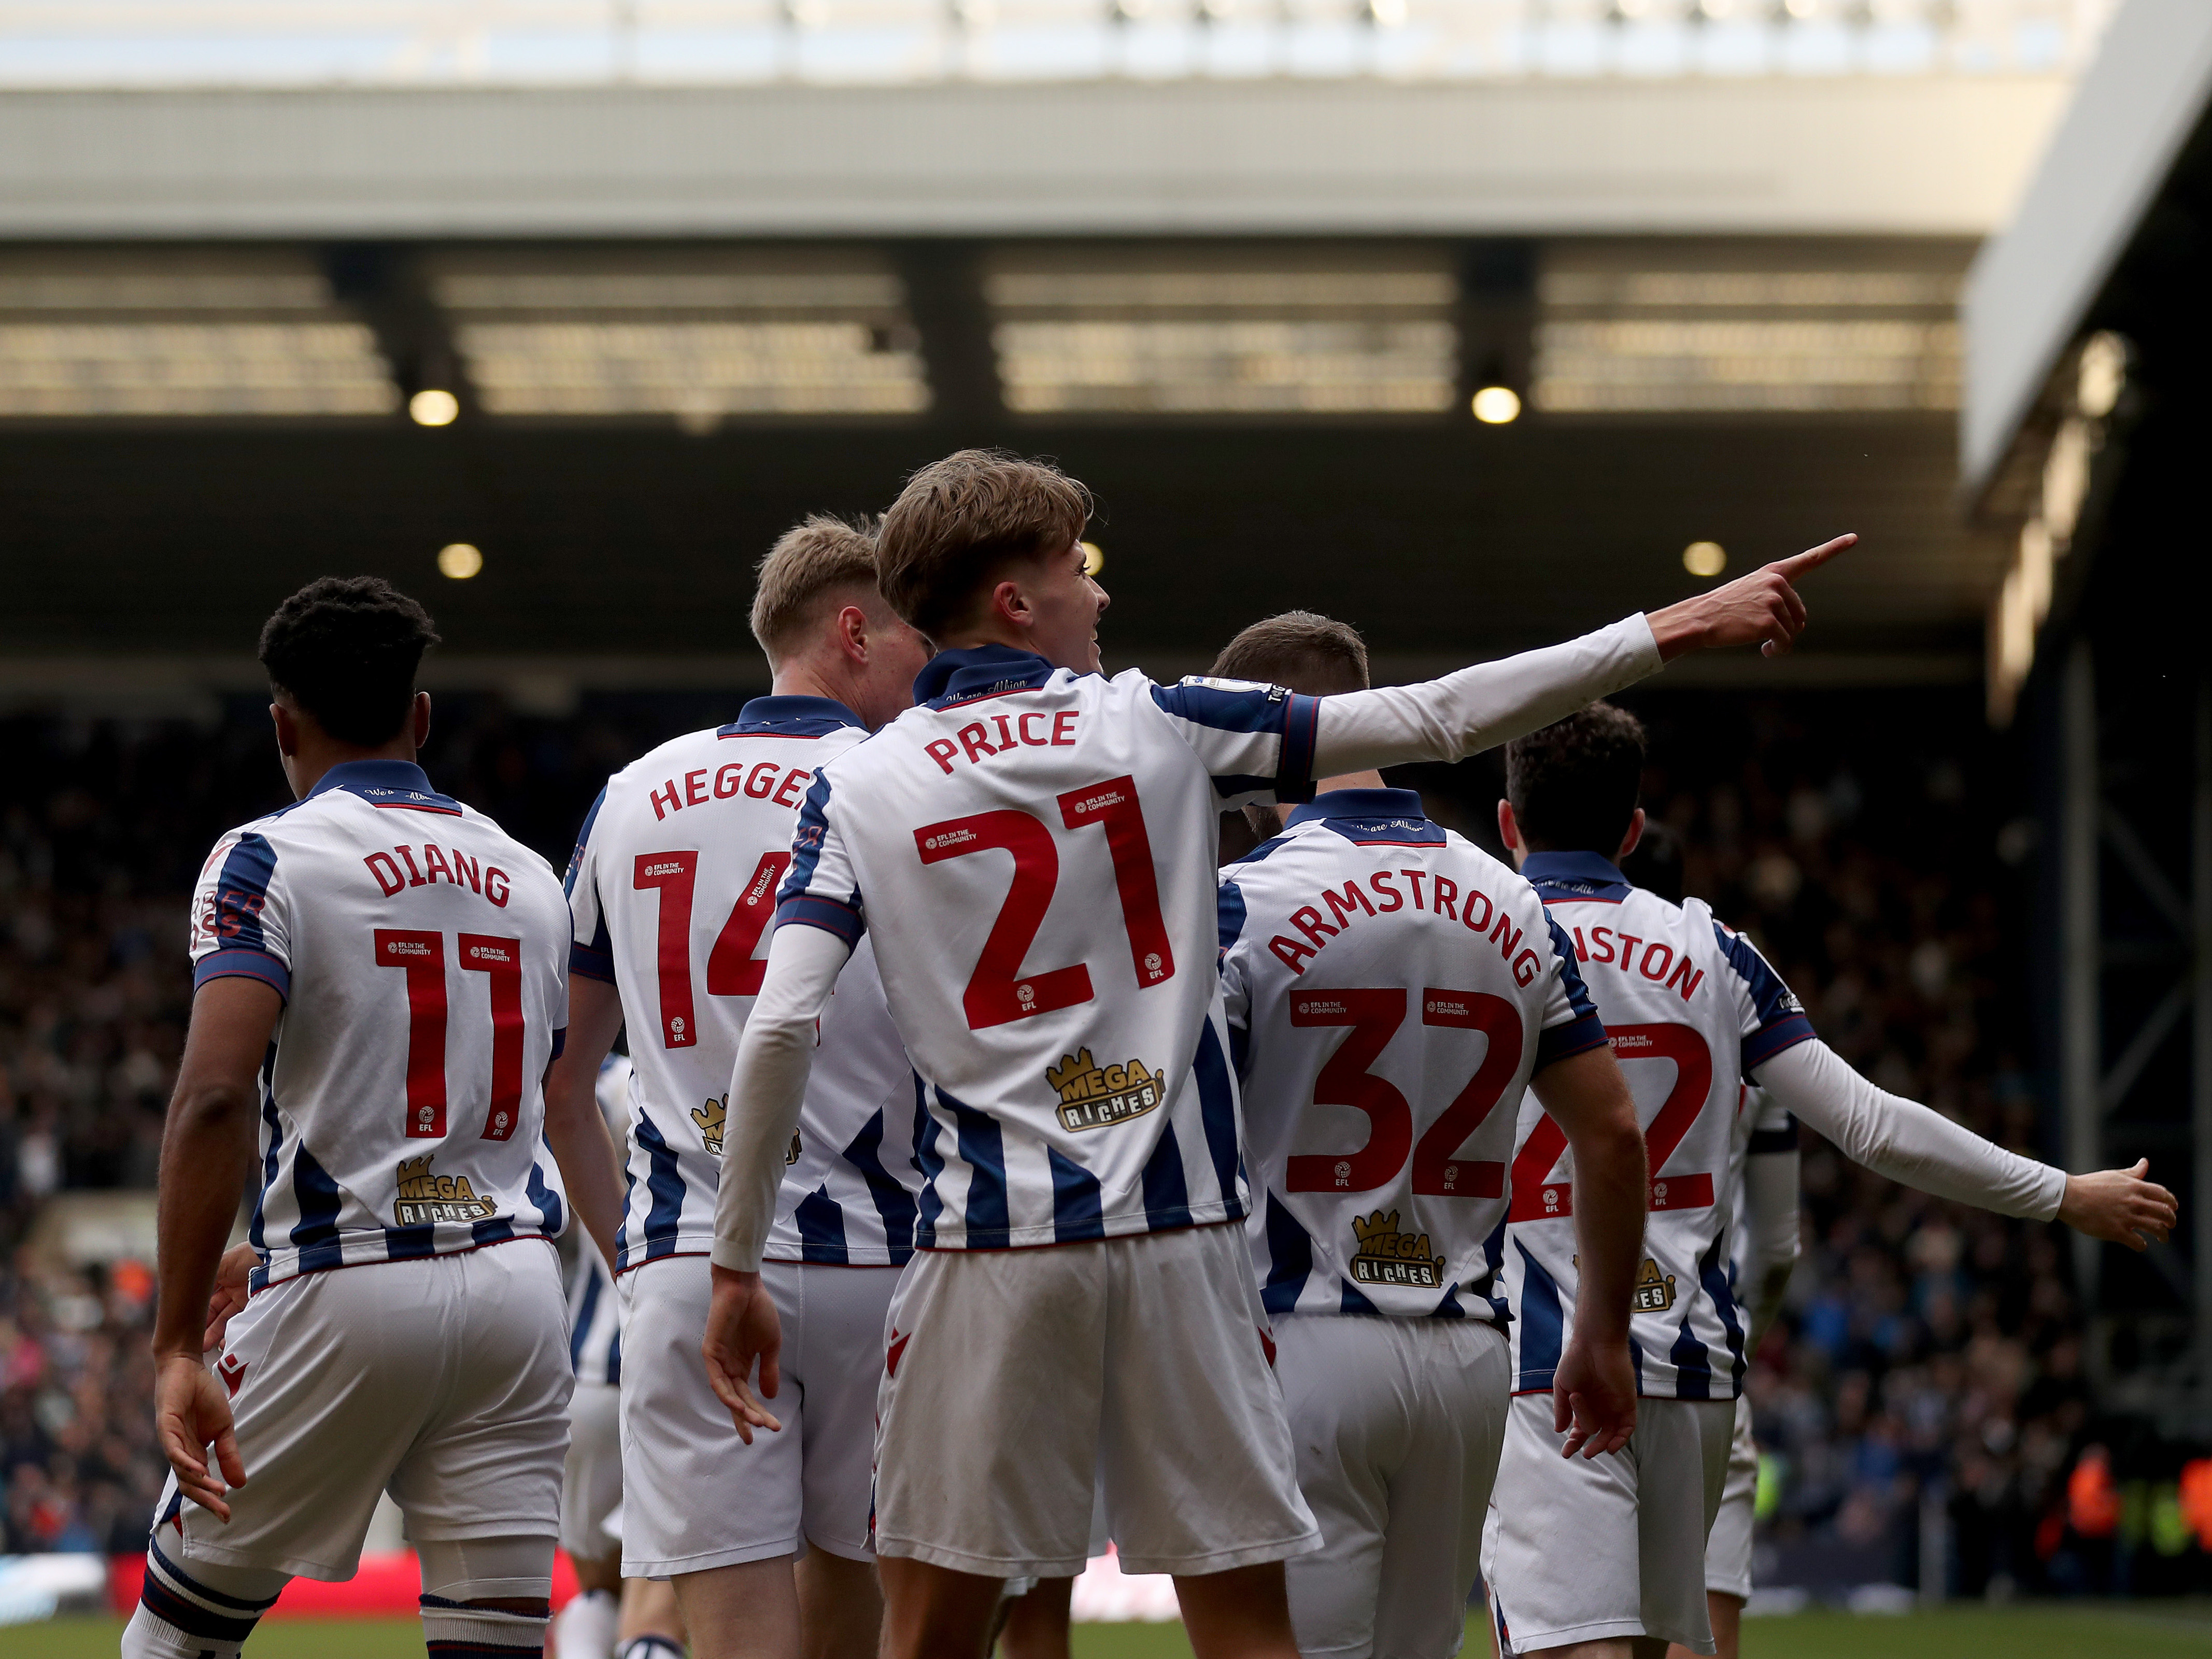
{"x": 419, "y": 952}
{"x": 1391, "y": 989}
{"x": 1031, "y": 852}
{"x": 672, "y": 889}
{"x": 594, "y": 1310}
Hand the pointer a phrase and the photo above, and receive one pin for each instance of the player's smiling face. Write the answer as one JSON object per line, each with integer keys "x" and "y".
{"x": 1065, "y": 605}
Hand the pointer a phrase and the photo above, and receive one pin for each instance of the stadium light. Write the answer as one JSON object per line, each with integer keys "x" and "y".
{"x": 1705, "y": 558}
{"x": 1497, "y": 406}
{"x": 1094, "y": 558}
{"x": 459, "y": 560}
{"x": 434, "y": 407}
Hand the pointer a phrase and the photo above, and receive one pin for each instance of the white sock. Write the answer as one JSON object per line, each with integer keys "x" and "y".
{"x": 585, "y": 1629}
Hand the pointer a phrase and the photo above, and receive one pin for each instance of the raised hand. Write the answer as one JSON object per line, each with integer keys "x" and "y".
{"x": 189, "y": 1411}
{"x": 2120, "y": 1206}
{"x": 743, "y": 1327}
{"x": 1762, "y": 608}
{"x": 1594, "y": 1398}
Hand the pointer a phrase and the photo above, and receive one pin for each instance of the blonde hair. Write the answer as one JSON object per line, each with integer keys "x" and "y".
{"x": 820, "y": 553}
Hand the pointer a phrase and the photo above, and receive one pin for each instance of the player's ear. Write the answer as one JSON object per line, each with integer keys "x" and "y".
{"x": 1508, "y": 831}
{"x": 287, "y": 729}
{"x": 852, "y": 633}
{"x": 419, "y": 718}
{"x": 1635, "y": 834}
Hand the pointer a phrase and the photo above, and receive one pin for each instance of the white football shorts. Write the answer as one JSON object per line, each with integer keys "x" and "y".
{"x": 444, "y": 1380}
{"x": 1581, "y": 1549}
{"x": 1015, "y": 1380}
{"x": 695, "y": 1495}
{"x": 591, "y": 1485}
{"x": 1728, "y": 1551}
{"x": 1397, "y": 1423}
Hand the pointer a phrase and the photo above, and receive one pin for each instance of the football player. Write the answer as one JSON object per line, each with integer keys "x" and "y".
{"x": 379, "y": 984}
{"x": 609, "y": 1616}
{"x": 1606, "y": 1559}
{"x": 673, "y": 890}
{"x": 1031, "y": 848}
{"x": 1392, "y": 991}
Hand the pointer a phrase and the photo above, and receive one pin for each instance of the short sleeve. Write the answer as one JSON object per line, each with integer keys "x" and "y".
{"x": 591, "y": 953}
{"x": 240, "y": 925}
{"x": 1571, "y": 1024}
{"x": 821, "y": 889}
{"x": 1256, "y": 742}
{"x": 1772, "y": 1018}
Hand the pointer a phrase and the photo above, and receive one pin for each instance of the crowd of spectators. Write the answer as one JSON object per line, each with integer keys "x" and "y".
{"x": 1871, "y": 843}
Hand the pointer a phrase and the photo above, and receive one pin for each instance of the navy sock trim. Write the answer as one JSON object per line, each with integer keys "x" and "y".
{"x": 170, "y": 1569}
{"x": 191, "y": 1617}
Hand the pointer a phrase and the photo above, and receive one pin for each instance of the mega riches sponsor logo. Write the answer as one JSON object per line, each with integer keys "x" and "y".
{"x": 1095, "y": 1096}
{"x": 426, "y": 1197}
{"x": 710, "y": 1118}
{"x": 1655, "y": 1291}
{"x": 1387, "y": 1255}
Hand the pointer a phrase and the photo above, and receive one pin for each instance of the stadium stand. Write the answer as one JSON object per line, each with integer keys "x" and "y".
{"x": 1929, "y": 1364}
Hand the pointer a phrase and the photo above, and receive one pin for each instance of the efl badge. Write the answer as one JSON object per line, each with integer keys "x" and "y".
{"x": 710, "y": 1119}
{"x": 1653, "y": 1292}
{"x": 1386, "y": 1256}
{"x": 425, "y": 1197}
{"x": 1095, "y": 1096}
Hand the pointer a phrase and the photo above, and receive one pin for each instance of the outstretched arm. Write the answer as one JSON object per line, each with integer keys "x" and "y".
{"x": 767, "y": 1089}
{"x": 1595, "y": 1388}
{"x": 1491, "y": 703}
{"x": 1907, "y": 1142}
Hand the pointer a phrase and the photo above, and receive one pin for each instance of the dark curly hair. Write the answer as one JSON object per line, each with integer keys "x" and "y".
{"x": 345, "y": 649}
{"x": 1573, "y": 784}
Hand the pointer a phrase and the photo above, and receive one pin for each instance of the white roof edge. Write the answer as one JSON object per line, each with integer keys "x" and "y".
{"x": 2032, "y": 285}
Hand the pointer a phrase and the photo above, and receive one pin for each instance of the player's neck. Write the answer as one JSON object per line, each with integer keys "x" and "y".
{"x": 968, "y": 638}
{"x": 317, "y": 753}
{"x": 1351, "y": 781}
{"x": 808, "y": 678}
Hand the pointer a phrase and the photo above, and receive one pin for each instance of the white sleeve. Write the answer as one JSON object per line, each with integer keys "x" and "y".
{"x": 1904, "y": 1139}
{"x": 768, "y": 1085}
{"x": 1481, "y": 706}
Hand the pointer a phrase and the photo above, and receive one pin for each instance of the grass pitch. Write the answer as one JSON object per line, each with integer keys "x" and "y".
{"x": 2146, "y": 1630}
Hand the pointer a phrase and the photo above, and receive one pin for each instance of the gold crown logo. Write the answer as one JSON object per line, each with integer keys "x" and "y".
{"x": 1094, "y": 1096}
{"x": 415, "y": 1169}
{"x": 1077, "y": 1077}
{"x": 1389, "y": 1256}
{"x": 710, "y": 1118}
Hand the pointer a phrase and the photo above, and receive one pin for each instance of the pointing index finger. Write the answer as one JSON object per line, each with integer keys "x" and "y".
{"x": 1814, "y": 558}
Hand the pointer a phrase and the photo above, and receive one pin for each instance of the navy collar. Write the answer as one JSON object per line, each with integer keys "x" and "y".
{"x": 1576, "y": 872}
{"x": 1360, "y": 804}
{"x": 979, "y": 670}
{"x": 792, "y": 716}
{"x": 384, "y": 783}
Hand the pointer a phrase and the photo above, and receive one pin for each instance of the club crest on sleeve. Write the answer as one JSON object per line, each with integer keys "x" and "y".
{"x": 1387, "y": 1255}
{"x": 710, "y": 1118}
{"x": 1655, "y": 1291}
{"x": 426, "y": 1197}
{"x": 1095, "y": 1096}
